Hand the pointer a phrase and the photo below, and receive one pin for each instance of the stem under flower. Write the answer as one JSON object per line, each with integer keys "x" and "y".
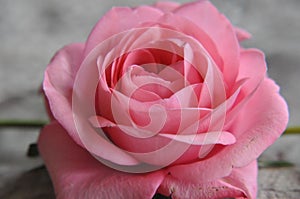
{"x": 292, "y": 130}
{"x": 40, "y": 123}
{"x": 22, "y": 123}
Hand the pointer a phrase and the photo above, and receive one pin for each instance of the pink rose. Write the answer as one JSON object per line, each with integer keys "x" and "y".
{"x": 159, "y": 99}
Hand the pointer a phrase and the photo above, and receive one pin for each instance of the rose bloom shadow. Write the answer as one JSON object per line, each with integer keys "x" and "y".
{"x": 160, "y": 99}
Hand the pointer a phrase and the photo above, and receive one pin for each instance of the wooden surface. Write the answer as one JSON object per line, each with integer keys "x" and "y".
{"x": 274, "y": 183}
{"x": 279, "y": 183}
{"x": 31, "y": 31}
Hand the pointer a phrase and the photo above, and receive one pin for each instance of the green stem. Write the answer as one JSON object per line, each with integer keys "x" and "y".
{"x": 22, "y": 123}
{"x": 41, "y": 123}
{"x": 292, "y": 130}
{"x": 274, "y": 164}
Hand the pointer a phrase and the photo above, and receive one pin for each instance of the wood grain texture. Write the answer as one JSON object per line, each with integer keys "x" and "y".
{"x": 274, "y": 183}
{"x": 279, "y": 183}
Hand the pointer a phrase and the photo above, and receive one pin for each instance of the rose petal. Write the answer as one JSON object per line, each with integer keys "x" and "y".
{"x": 187, "y": 27}
{"x": 267, "y": 117}
{"x": 58, "y": 85}
{"x": 207, "y": 18}
{"x": 245, "y": 178}
{"x": 166, "y": 6}
{"x": 266, "y": 121}
{"x": 132, "y": 84}
{"x": 241, "y": 183}
{"x": 242, "y": 34}
{"x": 252, "y": 72}
{"x": 100, "y": 122}
{"x": 253, "y": 68}
{"x": 171, "y": 73}
{"x": 122, "y": 19}
{"x": 224, "y": 138}
{"x": 187, "y": 97}
{"x": 76, "y": 174}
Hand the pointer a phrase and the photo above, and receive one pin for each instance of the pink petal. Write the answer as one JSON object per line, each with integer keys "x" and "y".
{"x": 76, "y": 174}
{"x": 253, "y": 68}
{"x": 257, "y": 126}
{"x": 267, "y": 117}
{"x": 224, "y": 138}
{"x": 182, "y": 106}
{"x": 252, "y": 72}
{"x": 100, "y": 122}
{"x": 189, "y": 28}
{"x": 166, "y": 6}
{"x": 120, "y": 19}
{"x": 140, "y": 58}
{"x": 245, "y": 178}
{"x": 58, "y": 85}
{"x": 220, "y": 30}
{"x": 187, "y": 97}
{"x": 218, "y": 115}
{"x": 242, "y": 34}
{"x": 132, "y": 84}
{"x": 171, "y": 73}
{"x": 156, "y": 85}
{"x": 241, "y": 183}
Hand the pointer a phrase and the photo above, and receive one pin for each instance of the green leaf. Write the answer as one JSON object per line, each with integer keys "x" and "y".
{"x": 292, "y": 130}
{"x": 274, "y": 164}
{"x": 22, "y": 123}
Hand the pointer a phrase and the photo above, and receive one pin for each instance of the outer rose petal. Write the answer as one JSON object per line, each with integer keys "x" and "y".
{"x": 166, "y": 6}
{"x": 242, "y": 34}
{"x": 209, "y": 19}
{"x": 58, "y": 88}
{"x": 253, "y": 67}
{"x": 241, "y": 183}
{"x": 258, "y": 125}
{"x": 76, "y": 174}
{"x": 58, "y": 84}
{"x": 120, "y": 19}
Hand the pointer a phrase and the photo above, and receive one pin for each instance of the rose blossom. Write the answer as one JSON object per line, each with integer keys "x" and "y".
{"x": 159, "y": 99}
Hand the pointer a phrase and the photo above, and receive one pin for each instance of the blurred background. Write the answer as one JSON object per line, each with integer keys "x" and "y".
{"x": 32, "y": 31}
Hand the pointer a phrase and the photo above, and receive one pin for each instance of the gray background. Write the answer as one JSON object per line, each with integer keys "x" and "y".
{"x": 31, "y": 31}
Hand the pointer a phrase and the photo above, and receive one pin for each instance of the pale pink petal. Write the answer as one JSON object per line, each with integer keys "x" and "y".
{"x": 120, "y": 19}
{"x": 216, "y": 119}
{"x": 267, "y": 117}
{"x": 125, "y": 140}
{"x": 253, "y": 67}
{"x": 100, "y": 122}
{"x": 192, "y": 74}
{"x": 187, "y": 97}
{"x": 207, "y": 18}
{"x": 245, "y": 178}
{"x": 143, "y": 95}
{"x": 224, "y": 138}
{"x": 188, "y": 27}
{"x": 133, "y": 82}
{"x": 241, "y": 183}
{"x": 76, "y": 174}
{"x": 58, "y": 85}
{"x": 205, "y": 99}
{"x": 166, "y": 6}
{"x": 140, "y": 57}
{"x": 156, "y": 85}
{"x": 251, "y": 74}
{"x": 130, "y": 112}
{"x": 242, "y": 34}
{"x": 171, "y": 73}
